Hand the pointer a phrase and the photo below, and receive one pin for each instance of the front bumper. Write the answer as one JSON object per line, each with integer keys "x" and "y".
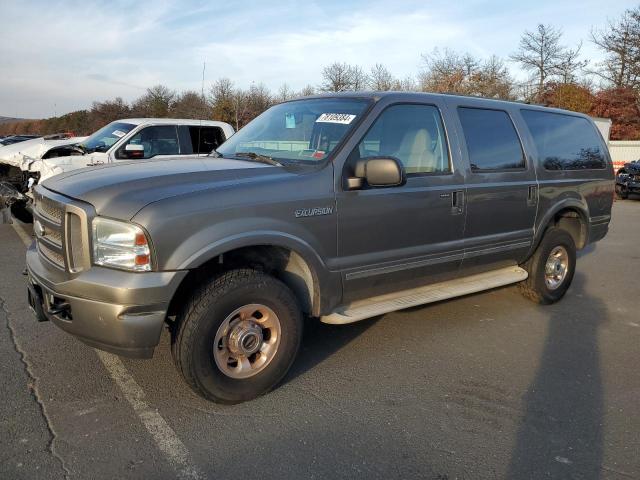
{"x": 116, "y": 311}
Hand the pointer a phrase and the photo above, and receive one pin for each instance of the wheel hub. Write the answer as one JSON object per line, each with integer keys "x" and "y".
{"x": 246, "y": 341}
{"x": 556, "y": 267}
{"x": 245, "y": 338}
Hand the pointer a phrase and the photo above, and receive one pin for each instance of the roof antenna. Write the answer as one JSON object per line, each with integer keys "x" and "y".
{"x": 204, "y": 66}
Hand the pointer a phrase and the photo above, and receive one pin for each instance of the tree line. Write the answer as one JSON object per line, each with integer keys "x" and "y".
{"x": 558, "y": 76}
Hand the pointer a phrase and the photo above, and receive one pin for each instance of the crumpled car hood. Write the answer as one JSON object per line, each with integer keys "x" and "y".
{"x": 121, "y": 190}
{"x": 24, "y": 154}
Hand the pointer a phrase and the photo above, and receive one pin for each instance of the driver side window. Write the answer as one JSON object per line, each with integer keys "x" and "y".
{"x": 150, "y": 142}
{"x": 414, "y": 134}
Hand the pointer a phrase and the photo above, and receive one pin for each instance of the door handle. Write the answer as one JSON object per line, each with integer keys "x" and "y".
{"x": 457, "y": 202}
{"x": 532, "y": 196}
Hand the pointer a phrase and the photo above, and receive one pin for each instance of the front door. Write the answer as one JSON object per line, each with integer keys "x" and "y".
{"x": 156, "y": 141}
{"x": 395, "y": 238}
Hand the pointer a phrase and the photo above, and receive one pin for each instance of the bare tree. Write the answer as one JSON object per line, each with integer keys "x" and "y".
{"x": 446, "y": 71}
{"x": 190, "y": 104}
{"x": 306, "y": 91}
{"x": 407, "y": 84}
{"x": 449, "y": 71}
{"x": 223, "y": 102}
{"x": 540, "y": 51}
{"x": 620, "y": 42}
{"x": 492, "y": 79}
{"x": 359, "y": 78}
{"x": 380, "y": 78}
{"x": 156, "y": 102}
{"x": 284, "y": 93}
{"x": 105, "y": 112}
{"x": 336, "y": 77}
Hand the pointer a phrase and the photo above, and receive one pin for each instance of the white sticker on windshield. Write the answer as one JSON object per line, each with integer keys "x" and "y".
{"x": 344, "y": 118}
{"x": 118, "y": 133}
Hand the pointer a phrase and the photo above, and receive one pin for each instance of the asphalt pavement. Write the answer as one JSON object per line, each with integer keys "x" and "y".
{"x": 488, "y": 386}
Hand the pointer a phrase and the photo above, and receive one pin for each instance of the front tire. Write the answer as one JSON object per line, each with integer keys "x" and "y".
{"x": 551, "y": 267}
{"x": 237, "y": 336}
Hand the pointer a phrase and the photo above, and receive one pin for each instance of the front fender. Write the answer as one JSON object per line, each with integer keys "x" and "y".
{"x": 253, "y": 238}
{"x": 327, "y": 283}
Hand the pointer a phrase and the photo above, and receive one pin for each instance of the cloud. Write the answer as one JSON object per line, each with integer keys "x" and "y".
{"x": 62, "y": 55}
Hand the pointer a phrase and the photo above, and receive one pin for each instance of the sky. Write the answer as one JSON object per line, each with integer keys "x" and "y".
{"x": 60, "y": 56}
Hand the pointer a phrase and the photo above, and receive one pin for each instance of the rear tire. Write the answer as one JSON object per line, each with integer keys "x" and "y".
{"x": 237, "y": 336}
{"x": 551, "y": 267}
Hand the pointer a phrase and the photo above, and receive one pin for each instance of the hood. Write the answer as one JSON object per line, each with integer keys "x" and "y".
{"x": 120, "y": 190}
{"x": 21, "y": 154}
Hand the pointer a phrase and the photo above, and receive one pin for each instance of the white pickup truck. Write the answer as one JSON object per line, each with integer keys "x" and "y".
{"x": 24, "y": 164}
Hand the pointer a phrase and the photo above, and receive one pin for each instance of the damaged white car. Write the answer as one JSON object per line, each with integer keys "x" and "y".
{"x": 25, "y": 164}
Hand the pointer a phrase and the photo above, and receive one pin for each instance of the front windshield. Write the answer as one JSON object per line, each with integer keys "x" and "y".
{"x": 302, "y": 130}
{"x": 104, "y": 138}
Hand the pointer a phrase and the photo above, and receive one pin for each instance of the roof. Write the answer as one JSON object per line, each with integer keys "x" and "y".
{"x": 408, "y": 96}
{"x": 172, "y": 121}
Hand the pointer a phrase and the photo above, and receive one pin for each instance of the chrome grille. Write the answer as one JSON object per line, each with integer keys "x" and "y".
{"x": 53, "y": 235}
{"x": 54, "y": 257}
{"x": 49, "y": 214}
{"x": 49, "y": 208}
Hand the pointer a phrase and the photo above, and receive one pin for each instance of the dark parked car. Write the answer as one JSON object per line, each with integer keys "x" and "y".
{"x": 338, "y": 208}
{"x": 16, "y": 139}
{"x": 628, "y": 179}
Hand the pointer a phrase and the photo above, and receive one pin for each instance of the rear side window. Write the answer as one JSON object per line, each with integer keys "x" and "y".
{"x": 205, "y": 139}
{"x": 491, "y": 138}
{"x": 565, "y": 142}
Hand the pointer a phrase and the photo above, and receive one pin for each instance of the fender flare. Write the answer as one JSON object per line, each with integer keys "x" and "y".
{"x": 319, "y": 272}
{"x": 567, "y": 203}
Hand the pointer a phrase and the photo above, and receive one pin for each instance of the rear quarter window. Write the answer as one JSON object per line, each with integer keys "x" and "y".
{"x": 565, "y": 142}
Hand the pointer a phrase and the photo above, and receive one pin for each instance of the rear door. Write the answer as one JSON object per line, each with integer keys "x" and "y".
{"x": 501, "y": 186}
{"x": 398, "y": 237}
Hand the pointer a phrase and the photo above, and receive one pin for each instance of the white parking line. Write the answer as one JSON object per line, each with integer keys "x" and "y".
{"x": 163, "y": 435}
{"x": 22, "y": 233}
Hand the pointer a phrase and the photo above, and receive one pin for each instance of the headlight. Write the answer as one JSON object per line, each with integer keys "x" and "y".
{"x": 120, "y": 245}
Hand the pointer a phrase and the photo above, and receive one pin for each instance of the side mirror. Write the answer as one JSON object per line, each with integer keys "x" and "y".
{"x": 378, "y": 172}
{"x": 132, "y": 150}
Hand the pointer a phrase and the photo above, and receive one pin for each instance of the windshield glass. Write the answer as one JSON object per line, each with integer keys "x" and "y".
{"x": 303, "y": 130}
{"x": 104, "y": 138}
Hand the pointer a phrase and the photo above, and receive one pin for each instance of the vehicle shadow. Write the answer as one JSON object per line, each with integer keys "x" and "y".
{"x": 561, "y": 432}
{"x": 321, "y": 340}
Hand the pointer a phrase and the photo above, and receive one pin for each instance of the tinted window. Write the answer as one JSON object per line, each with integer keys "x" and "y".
{"x": 158, "y": 140}
{"x": 491, "y": 138}
{"x": 205, "y": 139}
{"x": 414, "y": 134}
{"x": 565, "y": 142}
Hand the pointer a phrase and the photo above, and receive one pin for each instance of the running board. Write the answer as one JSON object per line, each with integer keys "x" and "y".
{"x": 436, "y": 292}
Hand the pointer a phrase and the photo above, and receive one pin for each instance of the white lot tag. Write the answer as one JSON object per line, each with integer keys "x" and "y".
{"x": 118, "y": 133}
{"x": 344, "y": 118}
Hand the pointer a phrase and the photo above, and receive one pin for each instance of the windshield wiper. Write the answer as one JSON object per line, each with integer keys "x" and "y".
{"x": 256, "y": 157}
{"x": 215, "y": 154}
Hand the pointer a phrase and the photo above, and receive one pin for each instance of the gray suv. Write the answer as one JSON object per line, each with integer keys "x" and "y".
{"x": 338, "y": 208}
